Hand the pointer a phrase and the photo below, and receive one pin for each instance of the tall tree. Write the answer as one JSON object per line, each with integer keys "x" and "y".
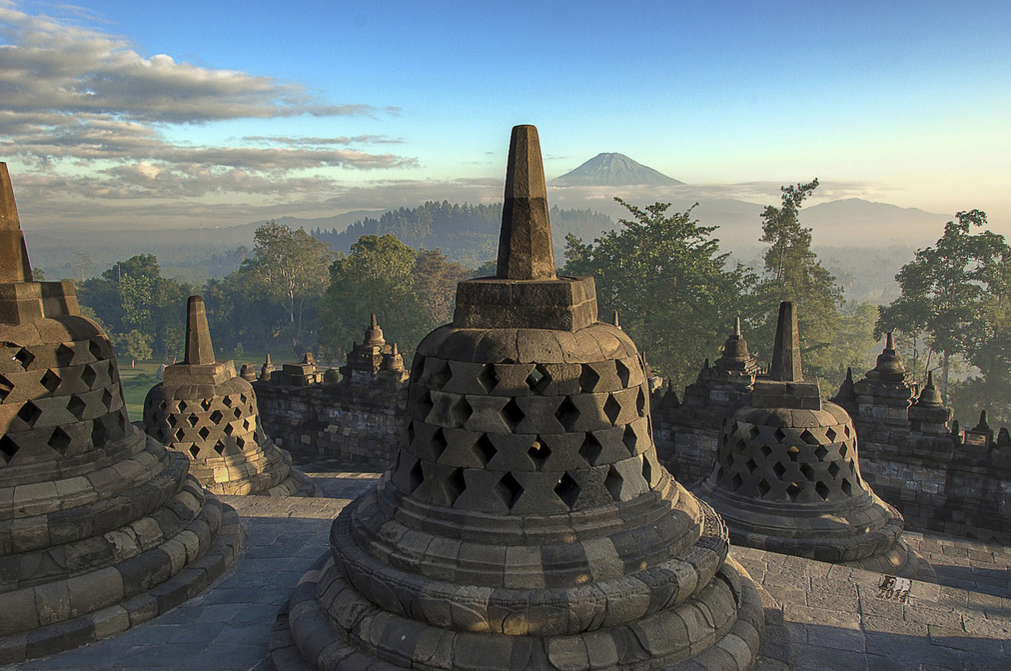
{"x": 289, "y": 267}
{"x": 671, "y": 285}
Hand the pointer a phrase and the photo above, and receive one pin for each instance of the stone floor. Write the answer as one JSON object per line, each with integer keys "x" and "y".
{"x": 835, "y": 620}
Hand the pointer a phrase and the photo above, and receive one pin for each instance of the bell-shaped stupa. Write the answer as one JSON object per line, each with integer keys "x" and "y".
{"x": 787, "y": 477}
{"x": 526, "y": 523}
{"x": 101, "y": 527}
{"x": 204, "y": 410}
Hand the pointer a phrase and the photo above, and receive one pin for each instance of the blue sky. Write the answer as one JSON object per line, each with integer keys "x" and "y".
{"x": 261, "y": 109}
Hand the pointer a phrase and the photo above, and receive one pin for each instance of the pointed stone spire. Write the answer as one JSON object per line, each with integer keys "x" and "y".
{"x": 374, "y": 334}
{"x": 929, "y": 396}
{"x": 786, "y": 350}
{"x": 846, "y": 396}
{"x": 14, "y": 264}
{"x": 525, "y": 251}
{"x": 199, "y": 350}
{"x": 889, "y": 363}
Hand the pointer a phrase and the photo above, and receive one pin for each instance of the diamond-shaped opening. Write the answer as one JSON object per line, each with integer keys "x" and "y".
{"x": 454, "y": 486}
{"x": 51, "y": 381}
{"x": 719, "y": 473}
{"x": 591, "y": 449}
{"x": 76, "y": 407}
{"x": 846, "y": 430}
{"x": 750, "y": 465}
{"x": 99, "y": 433}
{"x": 243, "y": 399}
{"x": 462, "y": 411}
{"x": 613, "y": 483}
{"x": 833, "y": 469}
{"x": 779, "y": 469}
{"x": 512, "y": 414}
{"x": 539, "y": 453}
{"x": 5, "y": 388}
{"x": 8, "y": 448}
{"x": 730, "y": 459}
{"x": 822, "y": 489}
{"x": 821, "y": 452}
{"x": 793, "y": 453}
{"x": 765, "y": 450}
{"x": 509, "y": 490}
{"x": 629, "y": 438}
{"x": 192, "y": 420}
{"x": 64, "y": 355}
{"x": 612, "y": 409}
{"x": 843, "y": 450}
{"x": 206, "y": 404}
{"x": 219, "y": 447}
{"x": 780, "y": 435}
{"x": 171, "y": 420}
{"x": 24, "y": 358}
{"x": 183, "y": 405}
{"x": 95, "y": 348}
{"x": 204, "y": 432}
{"x": 484, "y": 450}
{"x": 124, "y": 421}
{"x": 216, "y": 417}
{"x": 415, "y": 476}
{"x": 567, "y": 490}
{"x": 753, "y": 432}
{"x": 179, "y": 434}
{"x": 793, "y": 491}
{"x": 736, "y": 482}
{"x": 640, "y": 403}
{"x": 107, "y": 399}
{"x": 847, "y": 488}
{"x": 194, "y": 451}
{"x": 567, "y": 414}
{"x": 831, "y": 434}
{"x": 439, "y": 378}
{"x": 647, "y": 471}
{"x": 246, "y": 424}
{"x": 416, "y": 367}
{"x": 809, "y": 438}
{"x": 241, "y": 442}
{"x": 59, "y": 441}
{"x": 588, "y": 378}
{"x": 229, "y": 429}
{"x": 764, "y": 487}
{"x": 237, "y": 412}
{"x": 807, "y": 471}
{"x": 439, "y": 444}
{"x": 488, "y": 377}
{"x": 424, "y": 404}
{"x": 538, "y": 378}
{"x": 29, "y": 413}
{"x": 89, "y": 375}
{"x": 624, "y": 374}
{"x": 410, "y": 432}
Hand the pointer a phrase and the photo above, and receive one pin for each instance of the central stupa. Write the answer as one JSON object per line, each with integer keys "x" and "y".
{"x": 526, "y": 523}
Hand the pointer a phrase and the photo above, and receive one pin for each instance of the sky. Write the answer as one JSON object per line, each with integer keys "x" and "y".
{"x": 139, "y": 115}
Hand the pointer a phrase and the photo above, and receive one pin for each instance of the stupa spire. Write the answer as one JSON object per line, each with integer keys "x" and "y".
{"x": 786, "y": 350}
{"x": 199, "y": 349}
{"x": 14, "y": 264}
{"x": 525, "y": 250}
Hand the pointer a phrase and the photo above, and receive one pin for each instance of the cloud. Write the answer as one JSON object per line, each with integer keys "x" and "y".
{"x": 89, "y": 116}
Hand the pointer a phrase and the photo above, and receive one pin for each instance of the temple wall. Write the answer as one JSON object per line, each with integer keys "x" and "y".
{"x": 688, "y": 452}
{"x": 356, "y": 423}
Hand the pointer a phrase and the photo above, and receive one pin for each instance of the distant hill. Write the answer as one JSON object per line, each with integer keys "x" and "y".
{"x": 613, "y": 170}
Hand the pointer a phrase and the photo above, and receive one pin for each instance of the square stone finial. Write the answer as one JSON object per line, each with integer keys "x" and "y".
{"x": 14, "y": 264}
{"x": 786, "y": 350}
{"x": 525, "y": 250}
{"x": 199, "y": 349}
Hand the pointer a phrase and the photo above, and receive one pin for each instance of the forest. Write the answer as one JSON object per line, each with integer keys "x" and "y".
{"x": 676, "y": 291}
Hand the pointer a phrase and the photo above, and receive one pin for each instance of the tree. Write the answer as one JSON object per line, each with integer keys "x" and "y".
{"x": 669, "y": 282}
{"x": 134, "y": 345}
{"x": 793, "y": 273}
{"x": 435, "y": 281}
{"x": 288, "y": 267}
{"x": 953, "y": 293}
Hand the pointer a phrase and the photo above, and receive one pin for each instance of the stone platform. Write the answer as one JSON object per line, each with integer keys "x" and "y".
{"x": 833, "y": 617}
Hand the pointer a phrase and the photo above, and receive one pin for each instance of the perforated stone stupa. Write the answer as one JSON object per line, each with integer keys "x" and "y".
{"x": 101, "y": 527}
{"x": 203, "y": 410}
{"x": 787, "y": 477}
{"x": 526, "y": 523}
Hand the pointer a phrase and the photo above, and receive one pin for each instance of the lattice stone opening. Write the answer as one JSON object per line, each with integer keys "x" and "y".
{"x": 736, "y": 482}
{"x": 779, "y": 469}
{"x": 192, "y": 420}
{"x": 64, "y": 355}
{"x": 416, "y": 367}
{"x": 753, "y": 433}
{"x": 640, "y": 403}
{"x": 750, "y": 465}
{"x": 539, "y": 453}
{"x": 107, "y": 399}
{"x": 846, "y": 487}
{"x": 410, "y": 432}
{"x": 793, "y": 453}
{"x": 567, "y": 414}
{"x": 227, "y": 400}
{"x": 95, "y": 349}
{"x": 206, "y": 404}
{"x": 831, "y": 435}
{"x": 89, "y": 375}
{"x": 484, "y": 450}
{"x": 613, "y": 483}
{"x": 844, "y": 450}
{"x": 98, "y": 432}
{"x": 29, "y": 413}
{"x": 509, "y": 490}
{"x": 8, "y": 448}
{"x": 241, "y": 442}
{"x": 488, "y": 377}
{"x": 536, "y": 377}
{"x": 219, "y": 447}
{"x": 216, "y": 417}
{"x": 780, "y": 435}
{"x": 229, "y": 429}
{"x": 730, "y": 460}
{"x": 171, "y": 420}
{"x": 807, "y": 471}
{"x": 588, "y": 378}
{"x": 624, "y": 374}
{"x": 766, "y": 451}
{"x": 591, "y": 449}
{"x": 59, "y": 441}
{"x": 793, "y": 490}
{"x": 237, "y": 412}
{"x": 809, "y": 438}
{"x": 204, "y": 432}
{"x": 24, "y": 358}
{"x": 764, "y": 487}
{"x": 612, "y": 409}
{"x": 833, "y": 469}
{"x": 647, "y": 471}
{"x": 567, "y": 489}
{"x": 821, "y": 452}
{"x": 415, "y": 476}
{"x": 5, "y": 388}
{"x": 438, "y": 443}
{"x": 440, "y": 378}
{"x": 76, "y": 407}
{"x": 424, "y": 404}
{"x": 629, "y": 438}
{"x": 51, "y": 381}
{"x": 454, "y": 485}
{"x": 194, "y": 451}
{"x": 822, "y": 489}
{"x": 462, "y": 411}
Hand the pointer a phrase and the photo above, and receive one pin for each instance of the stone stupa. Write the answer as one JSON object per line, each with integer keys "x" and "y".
{"x": 101, "y": 527}
{"x": 787, "y": 477}
{"x": 205, "y": 411}
{"x": 526, "y": 523}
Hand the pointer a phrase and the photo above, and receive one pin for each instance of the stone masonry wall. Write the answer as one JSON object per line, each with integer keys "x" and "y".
{"x": 688, "y": 452}
{"x": 349, "y": 422}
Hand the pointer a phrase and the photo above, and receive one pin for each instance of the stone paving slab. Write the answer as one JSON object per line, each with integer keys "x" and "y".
{"x": 833, "y": 618}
